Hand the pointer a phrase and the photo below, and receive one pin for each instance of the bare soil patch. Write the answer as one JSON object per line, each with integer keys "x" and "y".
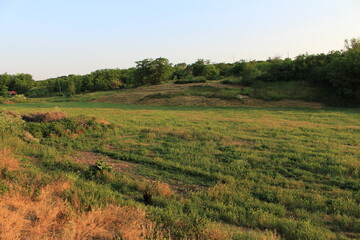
{"x": 90, "y": 158}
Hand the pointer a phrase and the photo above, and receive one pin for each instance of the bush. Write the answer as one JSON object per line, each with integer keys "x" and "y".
{"x": 20, "y": 98}
{"x": 100, "y": 171}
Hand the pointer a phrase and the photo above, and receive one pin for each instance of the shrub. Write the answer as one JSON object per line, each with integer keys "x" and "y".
{"x": 20, "y": 98}
{"x": 100, "y": 171}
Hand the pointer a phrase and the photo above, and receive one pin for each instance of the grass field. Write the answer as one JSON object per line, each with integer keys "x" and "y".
{"x": 255, "y": 173}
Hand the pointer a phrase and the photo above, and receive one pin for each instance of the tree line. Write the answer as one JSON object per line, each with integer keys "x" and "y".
{"x": 337, "y": 72}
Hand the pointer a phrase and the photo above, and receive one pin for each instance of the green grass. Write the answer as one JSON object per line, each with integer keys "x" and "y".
{"x": 293, "y": 170}
{"x": 284, "y": 90}
{"x": 85, "y": 97}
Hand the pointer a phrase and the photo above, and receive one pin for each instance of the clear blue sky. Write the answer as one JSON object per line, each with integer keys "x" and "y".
{"x": 49, "y": 38}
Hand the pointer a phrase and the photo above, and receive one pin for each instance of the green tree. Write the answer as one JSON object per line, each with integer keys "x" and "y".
{"x": 71, "y": 88}
{"x": 199, "y": 66}
{"x": 4, "y": 91}
{"x": 181, "y": 71}
{"x": 211, "y": 72}
{"x": 352, "y": 44}
{"x": 21, "y": 83}
{"x": 344, "y": 74}
{"x": 149, "y": 71}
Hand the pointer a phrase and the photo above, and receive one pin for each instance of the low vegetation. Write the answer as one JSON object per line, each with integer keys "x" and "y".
{"x": 179, "y": 172}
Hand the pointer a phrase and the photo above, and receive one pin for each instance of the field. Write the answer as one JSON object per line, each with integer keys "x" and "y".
{"x": 254, "y": 173}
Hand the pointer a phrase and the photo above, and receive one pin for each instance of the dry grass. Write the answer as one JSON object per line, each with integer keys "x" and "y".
{"x": 156, "y": 188}
{"x": 50, "y": 217}
{"x": 44, "y": 117}
{"x": 271, "y": 235}
{"x": 128, "y": 222}
{"x": 7, "y": 160}
{"x": 102, "y": 121}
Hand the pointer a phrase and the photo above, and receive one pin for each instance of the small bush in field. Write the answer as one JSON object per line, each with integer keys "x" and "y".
{"x": 100, "y": 171}
{"x": 20, "y": 98}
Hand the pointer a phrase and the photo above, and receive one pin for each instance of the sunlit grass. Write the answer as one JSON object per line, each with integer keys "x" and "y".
{"x": 294, "y": 170}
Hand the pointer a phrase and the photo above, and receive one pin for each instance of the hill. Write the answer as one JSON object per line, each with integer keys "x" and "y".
{"x": 210, "y": 94}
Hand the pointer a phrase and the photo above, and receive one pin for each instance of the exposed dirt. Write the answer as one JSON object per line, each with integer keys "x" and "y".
{"x": 90, "y": 158}
{"x": 138, "y": 96}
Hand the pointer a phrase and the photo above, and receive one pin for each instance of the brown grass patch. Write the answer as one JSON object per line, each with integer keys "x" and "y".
{"x": 156, "y": 188}
{"x": 44, "y": 117}
{"x": 126, "y": 222}
{"x": 7, "y": 160}
{"x": 50, "y": 217}
{"x": 102, "y": 121}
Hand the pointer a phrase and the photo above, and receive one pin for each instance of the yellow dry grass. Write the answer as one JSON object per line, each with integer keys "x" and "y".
{"x": 7, "y": 160}
{"x": 48, "y": 216}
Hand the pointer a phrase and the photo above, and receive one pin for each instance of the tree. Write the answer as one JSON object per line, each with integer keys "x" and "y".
{"x": 71, "y": 89}
{"x": 198, "y": 67}
{"x": 352, "y": 44}
{"x": 211, "y": 72}
{"x": 149, "y": 71}
{"x": 181, "y": 71}
{"x": 21, "y": 83}
{"x": 4, "y": 91}
{"x": 344, "y": 74}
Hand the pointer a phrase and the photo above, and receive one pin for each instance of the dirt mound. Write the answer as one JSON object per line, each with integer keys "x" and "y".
{"x": 134, "y": 96}
{"x": 44, "y": 117}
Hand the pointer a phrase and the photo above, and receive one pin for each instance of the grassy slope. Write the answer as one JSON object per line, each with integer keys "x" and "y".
{"x": 294, "y": 170}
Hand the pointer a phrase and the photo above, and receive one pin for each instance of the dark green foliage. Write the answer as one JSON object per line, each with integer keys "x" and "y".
{"x": 344, "y": 74}
{"x": 198, "y": 67}
{"x": 211, "y": 72}
{"x": 149, "y": 71}
{"x": 98, "y": 170}
{"x": 4, "y": 91}
{"x": 21, "y": 83}
{"x": 181, "y": 71}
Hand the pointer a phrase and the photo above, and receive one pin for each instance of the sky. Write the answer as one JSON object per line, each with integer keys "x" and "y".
{"x": 50, "y": 38}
